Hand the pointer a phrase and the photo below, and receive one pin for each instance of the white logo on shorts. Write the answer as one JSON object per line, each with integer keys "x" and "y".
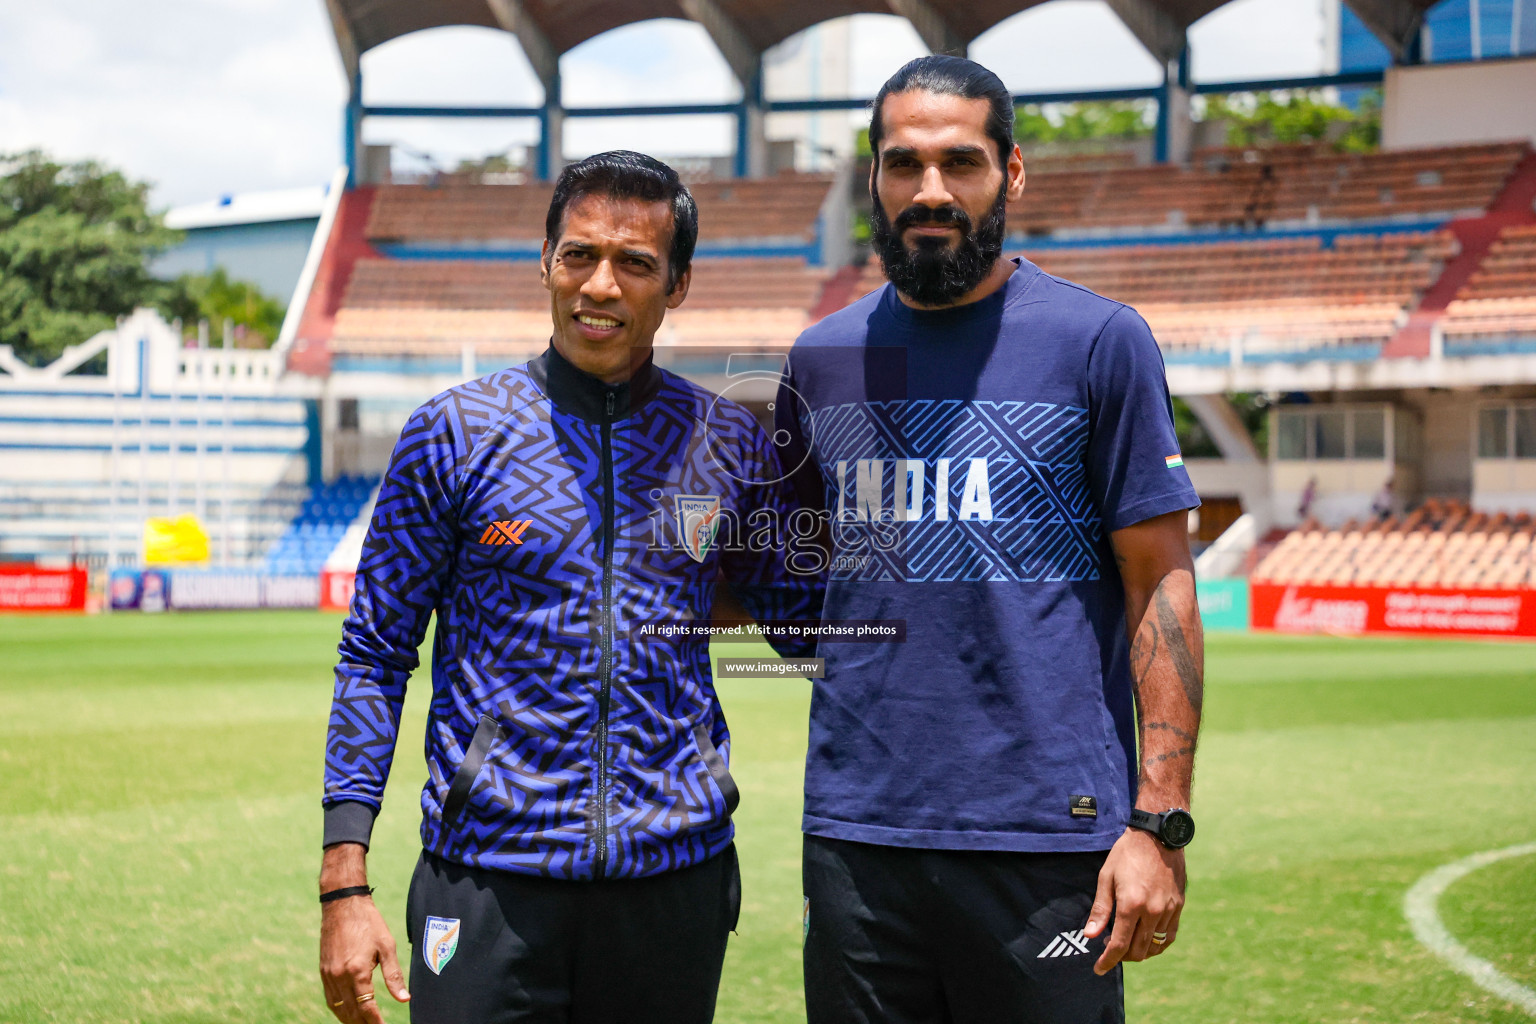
{"x": 1065, "y": 944}
{"x": 440, "y": 942}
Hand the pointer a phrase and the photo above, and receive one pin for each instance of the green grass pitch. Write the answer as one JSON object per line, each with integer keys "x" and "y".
{"x": 159, "y": 826}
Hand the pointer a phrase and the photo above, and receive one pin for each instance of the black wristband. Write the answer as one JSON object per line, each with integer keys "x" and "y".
{"x": 341, "y": 894}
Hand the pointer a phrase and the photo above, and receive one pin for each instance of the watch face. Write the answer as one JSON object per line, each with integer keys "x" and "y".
{"x": 1178, "y": 828}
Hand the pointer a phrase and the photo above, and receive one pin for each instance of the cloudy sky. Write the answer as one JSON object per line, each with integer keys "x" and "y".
{"x": 209, "y": 97}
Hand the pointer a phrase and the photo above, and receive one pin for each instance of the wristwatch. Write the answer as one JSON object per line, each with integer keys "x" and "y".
{"x": 1174, "y": 829}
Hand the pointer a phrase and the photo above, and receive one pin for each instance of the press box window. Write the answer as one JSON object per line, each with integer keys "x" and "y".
{"x": 1525, "y": 433}
{"x": 1336, "y": 434}
{"x": 1370, "y": 434}
{"x": 1493, "y": 434}
{"x": 1332, "y": 435}
{"x": 1292, "y": 435}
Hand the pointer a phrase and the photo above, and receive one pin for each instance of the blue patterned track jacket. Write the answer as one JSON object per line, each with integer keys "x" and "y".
{"x": 553, "y": 522}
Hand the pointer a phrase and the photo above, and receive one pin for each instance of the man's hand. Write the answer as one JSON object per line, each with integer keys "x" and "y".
{"x": 354, "y": 940}
{"x": 1142, "y": 884}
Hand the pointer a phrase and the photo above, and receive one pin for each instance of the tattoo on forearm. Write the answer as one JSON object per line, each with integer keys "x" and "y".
{"x": 1169, "y": 756}
{"x": 1187, "y": 737}
{"x": 1178, "y": 650}
{"x": 1143, "y": 650}
{"x": 1160, "y": 640}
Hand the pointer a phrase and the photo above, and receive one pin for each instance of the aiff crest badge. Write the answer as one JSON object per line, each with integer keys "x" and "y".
{"x": 440, "y": 942}
{"x": 698, "y": 520}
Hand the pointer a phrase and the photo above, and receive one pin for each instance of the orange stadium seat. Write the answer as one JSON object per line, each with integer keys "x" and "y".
{"x": 782, "y": 207}
{"x": 1275, "y": 294}
{"x": 424, "y": 307}
{"x": 1500, "y": 297}
{"x": 1236, "y": 187}
{"x": 1258, "y": 297}
{"x": 1440, "y": 544}
{"x": 413, "y": 306}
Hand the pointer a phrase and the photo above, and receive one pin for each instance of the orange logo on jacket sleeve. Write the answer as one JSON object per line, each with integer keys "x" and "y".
{"x": 506, "y": 531}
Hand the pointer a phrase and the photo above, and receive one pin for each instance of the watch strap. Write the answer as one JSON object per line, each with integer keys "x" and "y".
{"x": 1147, "y": 822}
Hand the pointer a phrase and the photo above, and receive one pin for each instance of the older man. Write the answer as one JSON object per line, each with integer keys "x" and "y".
{"x": 578, "y": 864}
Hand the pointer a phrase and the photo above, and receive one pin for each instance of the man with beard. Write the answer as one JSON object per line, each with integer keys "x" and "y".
{"x": 995, "y": 450}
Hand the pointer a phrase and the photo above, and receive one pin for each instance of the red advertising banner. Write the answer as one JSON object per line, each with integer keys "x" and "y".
{"x": 336, "y": 587}
{"x": 1392, "y": 610}
{"x": 26, "y": 588}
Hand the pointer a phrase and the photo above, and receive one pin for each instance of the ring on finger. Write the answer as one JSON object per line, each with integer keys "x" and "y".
{"x": 1158, "y": 938}
{"x": 338, "y": 1003}
{"x": 365, "y": 997}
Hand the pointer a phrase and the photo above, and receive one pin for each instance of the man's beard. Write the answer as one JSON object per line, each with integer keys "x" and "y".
{"x": 932, "y": 273}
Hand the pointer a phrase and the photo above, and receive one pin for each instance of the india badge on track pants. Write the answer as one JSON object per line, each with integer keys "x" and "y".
{"x": 905, "y": 936}
{"x": 491, "y": 947}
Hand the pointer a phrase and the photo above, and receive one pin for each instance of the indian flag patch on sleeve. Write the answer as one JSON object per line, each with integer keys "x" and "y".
{"x": 1174, "y": 461}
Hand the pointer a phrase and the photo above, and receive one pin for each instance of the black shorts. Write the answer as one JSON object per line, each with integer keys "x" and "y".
{"x": 491, "y": 947}
{"x": 904, "y": 936}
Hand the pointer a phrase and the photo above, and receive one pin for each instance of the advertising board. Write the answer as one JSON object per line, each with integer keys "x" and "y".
{"x": 1223, "y": 603}
{"x": 1392, "y": 610}
{"x": 25, "y": 587}
{"x": 336, "y": 589}
{"x": 199, "y": 589}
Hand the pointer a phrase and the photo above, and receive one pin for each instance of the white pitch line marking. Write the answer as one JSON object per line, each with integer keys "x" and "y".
{"x": 1419, "y": 906}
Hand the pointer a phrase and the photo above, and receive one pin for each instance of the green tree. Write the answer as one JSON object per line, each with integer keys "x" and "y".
{"x": 1364, "y": 132}
{"x": 1067, "y": 122}
{"x": 1077, "y": 122}
{"x": 1297, "y": 116}
{"x": 75, "y": 244}
{"x": 258, "y": 317}
{"x": 1195, "y": 441}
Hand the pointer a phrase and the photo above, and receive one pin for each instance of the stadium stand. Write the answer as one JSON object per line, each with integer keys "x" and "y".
{"x": 432, "y": 307}
{"x": 461, "y": 214}
{"x": 321, "y": 522}
{"x": 184, "y": 431}
{"x": 427, "y": 307}
{"x": 1317, "y": 184}
{"x": 428, "y": 270}
{"x": 1277, "y": 296}
{"x": 1280, "y": 254}
{"x": 458, "y": 213}
{"x": 1500, "y": 298}
{"x": 1277, "y": 186}
{"x": 1077, "y": 162}
{"x": 71, "y": 517}
{"x": 737, "y": 211}
{"x": 1443, "y": 543}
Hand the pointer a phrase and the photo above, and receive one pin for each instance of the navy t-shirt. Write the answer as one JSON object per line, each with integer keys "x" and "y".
{"x": 973, "y": 462}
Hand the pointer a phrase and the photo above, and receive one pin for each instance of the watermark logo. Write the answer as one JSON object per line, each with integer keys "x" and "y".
{"x": 750, "y": 374}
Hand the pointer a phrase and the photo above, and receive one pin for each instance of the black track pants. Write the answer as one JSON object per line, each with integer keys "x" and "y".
{"x": 517, "y": 949}
{"x": 903, "y": 936}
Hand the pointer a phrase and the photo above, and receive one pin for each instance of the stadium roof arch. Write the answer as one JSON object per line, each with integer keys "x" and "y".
{"x": 558, "y": 26}
{"x": 744, "y": 29}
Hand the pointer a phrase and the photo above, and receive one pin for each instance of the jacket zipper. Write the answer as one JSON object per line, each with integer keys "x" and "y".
{"x": 605, "y": 670}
